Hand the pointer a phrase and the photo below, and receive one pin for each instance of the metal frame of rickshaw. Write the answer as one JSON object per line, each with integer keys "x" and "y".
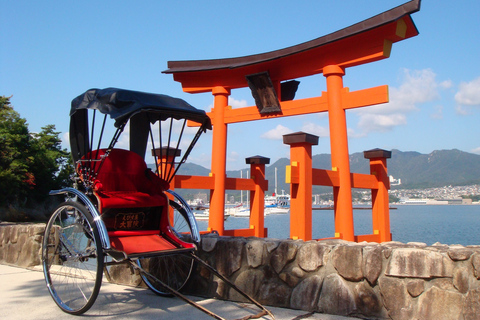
{"x": 76, "y": 237}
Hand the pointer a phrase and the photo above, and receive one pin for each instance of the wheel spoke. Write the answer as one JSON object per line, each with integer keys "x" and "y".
{"x": 72, "y": 258}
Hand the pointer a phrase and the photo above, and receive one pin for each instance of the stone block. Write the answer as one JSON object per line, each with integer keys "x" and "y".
{"x": 29, "y": 252}
{"x": 336, "y": 297}
{"x": 372, "y": 263}
{"x": 440, "y": 305}
{"x": 228, "y": 256}
{"x": 348, "y": 261}
{"x": 459, "y": 254}
{"x": 418, "y": 263}
{"x": 460, "y": 279}
{"x": 367, "y": 301}
{"x": 255, "y": 254}
{"x": 471, "y": 306}
{"x": 305, "y": 294}
{"x": 476, "y": 264}
{"x": 249, "y": 281}
{"x": 310, "y": 255}
{"x": 396, "y": 298}
{"x": 283, "y": 254}
{"x": 415, "y": 287}
{"x": 276, "y": 293}
{"x": 208, "y": 243}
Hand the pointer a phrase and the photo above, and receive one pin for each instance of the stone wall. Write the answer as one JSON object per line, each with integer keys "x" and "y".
{"x": 21, "y": 244}
{"x": 375, "y": 281}
{"x": 388, "y": 280}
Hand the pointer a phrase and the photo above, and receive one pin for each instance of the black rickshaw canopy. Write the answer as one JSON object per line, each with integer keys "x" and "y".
{"x": 141, "y": 108}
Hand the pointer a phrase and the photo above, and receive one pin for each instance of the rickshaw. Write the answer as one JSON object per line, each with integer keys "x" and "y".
{"x": 119, "y": 210}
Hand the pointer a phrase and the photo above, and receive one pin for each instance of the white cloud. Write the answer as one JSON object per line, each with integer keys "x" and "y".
{"x": 476, "y": 150}
{"x": 234, "y": 103}
{"x": 277, "y": 133}
{"x": 418, "y": 86}
{"x": 237, "y": 103}
{"x": 469, "y": 93}
{"x": 315, "y": 129}
{"x": 381, "y": 122}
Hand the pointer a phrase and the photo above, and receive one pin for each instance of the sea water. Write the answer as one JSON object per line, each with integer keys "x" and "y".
{"x": 447, "y": 224}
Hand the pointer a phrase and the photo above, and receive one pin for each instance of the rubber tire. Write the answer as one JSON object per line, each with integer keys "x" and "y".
{"x": 72, "y": 258}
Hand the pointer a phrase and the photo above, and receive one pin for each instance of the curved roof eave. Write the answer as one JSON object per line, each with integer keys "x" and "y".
{"x": 386, "y": 17}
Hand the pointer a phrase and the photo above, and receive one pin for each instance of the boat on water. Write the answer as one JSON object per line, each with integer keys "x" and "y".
{"x": 274, "y": 204}
{"x": 203, "y": 215}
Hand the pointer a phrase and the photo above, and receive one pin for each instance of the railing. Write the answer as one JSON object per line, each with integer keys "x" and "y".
{"x": 256, "y": 185}
{"x": 302, "y": 177}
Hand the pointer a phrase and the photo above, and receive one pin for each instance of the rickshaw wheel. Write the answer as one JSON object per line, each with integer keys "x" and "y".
{"x": 72, "y": 258}
{"x": 174, "y": 270}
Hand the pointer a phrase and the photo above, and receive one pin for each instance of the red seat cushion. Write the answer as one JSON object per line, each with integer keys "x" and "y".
{"x": 123, "y": 180}
{"x": 140, "y": 243}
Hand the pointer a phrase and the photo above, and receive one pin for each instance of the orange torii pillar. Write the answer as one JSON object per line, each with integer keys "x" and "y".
{"x": 219, "y": 160}
{"x": 257, "y": 202}
{"x": 300, "y": 190}
{"x": 380, "y": 202}
{"x": 340, "y": 157}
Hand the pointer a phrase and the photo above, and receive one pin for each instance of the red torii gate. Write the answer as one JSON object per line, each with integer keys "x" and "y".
{"x": 364, "y": 42}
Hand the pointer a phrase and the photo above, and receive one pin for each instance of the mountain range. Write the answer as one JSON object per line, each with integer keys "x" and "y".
{"x": 415, "y": 170}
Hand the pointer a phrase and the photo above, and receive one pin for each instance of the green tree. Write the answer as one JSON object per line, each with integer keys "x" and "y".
{"x": 15, "y": 180}
{"x": 30, "y": 164}
{"x": 50, "y": 165}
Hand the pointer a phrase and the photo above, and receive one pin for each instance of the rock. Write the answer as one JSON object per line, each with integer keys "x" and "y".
{"x": 297, "y": 272}
{"x": 442, "y": 283}
{"x": 255, "y": 253}
{"x": 439, "y": 304}
{"x": 366, "y": 300}
{"x": 471, "y": 307}
{"x": 275, "y": 293}
{"x": 122, "y": 274}
{"x": 387, "y": 252}
{"x": 305, "y": 294}
{"x": 459, "y": 254}
{"x": 11, "y": 254}
{"x": 476, "y": 264}
{"x": 460, "y": 279}
{"x": 415, "y": 287}
{"x": 284, "y": 253}
{"x": 271, "y": 245}
{"x": 418, "y": 263}
{"x": 36, "y": 229}
{"x": 372, "y": 263}
{"x": 29, "y": 255}
{"x": 249, "y": 281}
{"x": 336, "y": 297}
{"x": 228, "y": 257}
{"x": 310, "y": 255}
{"x": 417, "y": 244}
{"x": 348, "y": 262}
{"x": 290, "y": 279}
{"x": 208, "y": 243}
{"x": 396, "y": 298}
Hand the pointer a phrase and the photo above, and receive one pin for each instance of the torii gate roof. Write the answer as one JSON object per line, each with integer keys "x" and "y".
{"x": 366, "y": 41}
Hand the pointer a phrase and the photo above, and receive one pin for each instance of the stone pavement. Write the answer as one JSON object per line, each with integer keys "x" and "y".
{"x": 24, "y": 295}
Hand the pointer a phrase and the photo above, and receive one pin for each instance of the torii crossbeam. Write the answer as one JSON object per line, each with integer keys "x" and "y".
{"x": 368, "y": 41}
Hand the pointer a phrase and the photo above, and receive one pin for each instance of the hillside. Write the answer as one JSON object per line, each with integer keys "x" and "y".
{"x": 416, "y": 170}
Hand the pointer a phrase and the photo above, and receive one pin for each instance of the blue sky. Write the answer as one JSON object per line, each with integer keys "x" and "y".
{"x": 52, "y": 51}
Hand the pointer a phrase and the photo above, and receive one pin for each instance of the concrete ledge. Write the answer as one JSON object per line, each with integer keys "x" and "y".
{"x": 386, "y": 281}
